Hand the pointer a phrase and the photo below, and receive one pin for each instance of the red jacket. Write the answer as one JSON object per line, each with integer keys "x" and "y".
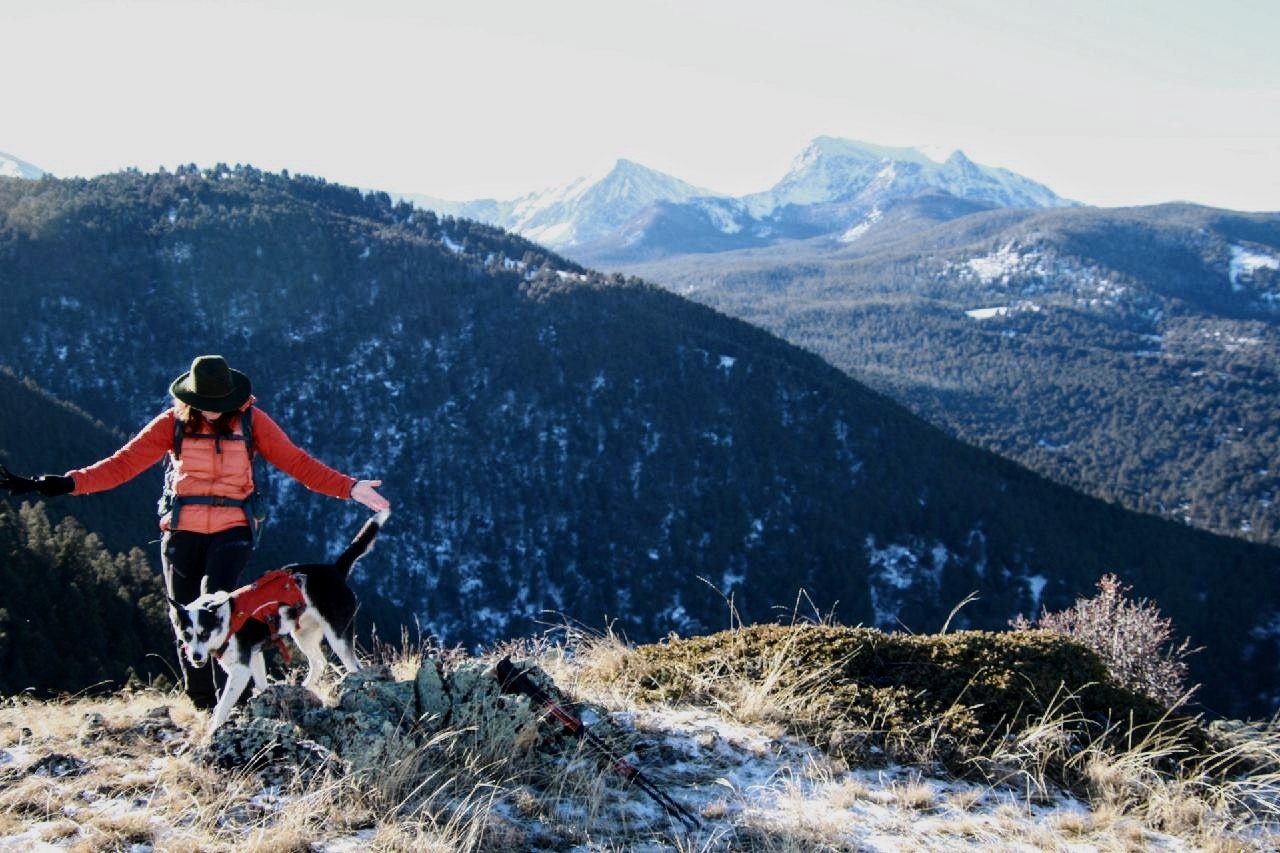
{"x": 202, "y": 470}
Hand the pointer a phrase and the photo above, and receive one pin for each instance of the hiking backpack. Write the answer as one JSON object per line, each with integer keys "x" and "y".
{"x": 254, "y": 506}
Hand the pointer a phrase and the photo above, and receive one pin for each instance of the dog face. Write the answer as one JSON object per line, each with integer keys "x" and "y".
{"x": 203, "y": 625}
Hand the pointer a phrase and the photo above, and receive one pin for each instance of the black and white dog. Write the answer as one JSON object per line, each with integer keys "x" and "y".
{"x": 305, "y": 601}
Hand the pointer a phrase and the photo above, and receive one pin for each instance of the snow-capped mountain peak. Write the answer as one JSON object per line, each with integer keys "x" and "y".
{"x": 832, "y": 152}
{"x": 12, "y": 167}
{"x": 589, "y": 207}
{"x": 843, "y": 171}
{"x": 832, "y": 185}
{"x": 831, "y": 169}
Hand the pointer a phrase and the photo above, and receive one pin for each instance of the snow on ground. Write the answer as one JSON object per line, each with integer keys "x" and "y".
{"x": 998, "y": 265}
{"x": 749, "y": 784}
{"x": 456, "y": 248}
{"x": 746, "y": 784}
{"x": 722, "y": 218}
{"x": 988, "y": 313}
{"x": 862, "y": 227}
{"x": 1246, "y": 262}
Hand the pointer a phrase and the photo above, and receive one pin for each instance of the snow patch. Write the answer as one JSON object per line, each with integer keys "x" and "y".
{"x": 456, "y": 248}
{"x": 1035, "y": 586}
{"x": 897, "y": 568}
{"x": 862, "y": 227}
{"x": 998, "y": 265}
{"x": 553, "y": 234}
{"x": 722, "y": 219}
{"x": 1246, "y": 262}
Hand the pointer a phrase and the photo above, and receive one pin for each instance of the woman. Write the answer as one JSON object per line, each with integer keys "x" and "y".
{"x": 209, "y": 436}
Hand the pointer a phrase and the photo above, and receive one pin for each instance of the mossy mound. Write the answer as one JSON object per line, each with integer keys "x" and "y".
{"x": 862, "y": 694}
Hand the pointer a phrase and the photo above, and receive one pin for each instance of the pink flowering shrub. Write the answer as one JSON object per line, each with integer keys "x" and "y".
{"x": 1132, "y": 638}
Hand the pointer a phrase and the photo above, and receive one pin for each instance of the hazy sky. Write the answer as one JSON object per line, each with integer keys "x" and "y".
{"x": 1109, "y": 102}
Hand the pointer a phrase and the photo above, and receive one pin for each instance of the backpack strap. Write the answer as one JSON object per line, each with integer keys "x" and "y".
{"x": 246, "y": 434}
{"x": 179, "y": 428}
{"x": 246, "y": 428}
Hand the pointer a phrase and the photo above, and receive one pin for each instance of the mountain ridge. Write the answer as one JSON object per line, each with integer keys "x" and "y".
{"x": 569, "y": 442}
{"x": 12, "y": 167}
{"x": 829, "y": 187}
{"x": 1041, "y": 334}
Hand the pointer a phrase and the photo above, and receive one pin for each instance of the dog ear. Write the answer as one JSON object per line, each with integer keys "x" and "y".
{"x": 204, "y": 585}
{"x": 183, "y": 615}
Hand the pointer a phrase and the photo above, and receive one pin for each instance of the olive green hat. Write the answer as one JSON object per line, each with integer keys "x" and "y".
{"x": 211, "y": 386}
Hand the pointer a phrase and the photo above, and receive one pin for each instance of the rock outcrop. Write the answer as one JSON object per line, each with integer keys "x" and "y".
{"x": 377, "y": 722}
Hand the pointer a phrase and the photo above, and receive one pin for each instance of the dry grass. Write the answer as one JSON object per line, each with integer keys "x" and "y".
{"x": 134, "y": 785}
{"x": 1137, "y": 779}
{"x": 124, "y": 790}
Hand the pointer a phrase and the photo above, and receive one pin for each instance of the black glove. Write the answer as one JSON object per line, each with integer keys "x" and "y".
{"x": 49, "y": 485}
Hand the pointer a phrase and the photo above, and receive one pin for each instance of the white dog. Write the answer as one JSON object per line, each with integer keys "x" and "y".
{"x": 306, "y": 602}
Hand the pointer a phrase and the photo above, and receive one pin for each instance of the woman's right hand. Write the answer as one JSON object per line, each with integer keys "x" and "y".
{"x": 365, "y": 491}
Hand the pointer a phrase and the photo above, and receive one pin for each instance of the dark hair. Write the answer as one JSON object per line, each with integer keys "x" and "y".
{"x": 193, "y": 421}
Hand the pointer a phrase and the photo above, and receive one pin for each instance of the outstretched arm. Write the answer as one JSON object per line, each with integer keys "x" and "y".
{"x": 281, "y": 452}
{"x": 143, "y": 450}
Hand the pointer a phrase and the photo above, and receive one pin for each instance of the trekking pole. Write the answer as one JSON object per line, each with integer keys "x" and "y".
{"x": 513, "y": 680}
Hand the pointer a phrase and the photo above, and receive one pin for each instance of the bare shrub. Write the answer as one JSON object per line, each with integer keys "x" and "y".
{"x": 1132, "y": 638}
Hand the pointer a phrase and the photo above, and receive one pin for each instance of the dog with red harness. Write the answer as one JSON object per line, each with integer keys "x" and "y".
{"x": 308, "y": 602}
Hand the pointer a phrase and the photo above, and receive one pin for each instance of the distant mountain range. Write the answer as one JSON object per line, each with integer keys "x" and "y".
{"x": 563, "y": 446}
{"x": 1133, "y": 353}
{"x": 835, "y": 186}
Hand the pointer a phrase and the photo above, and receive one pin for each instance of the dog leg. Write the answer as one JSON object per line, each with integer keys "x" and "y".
{"x": 343, "y": 650}
{"x": 237, "y": 681}
{"x": 258, "y": 665}
{"x": 308, "y": 639}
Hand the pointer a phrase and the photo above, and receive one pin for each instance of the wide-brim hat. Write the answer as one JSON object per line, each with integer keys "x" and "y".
{"x": 210, "y": 385}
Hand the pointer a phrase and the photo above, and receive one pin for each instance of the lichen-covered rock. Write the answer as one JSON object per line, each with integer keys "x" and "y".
{"x": 372, "y": 692}
{"x": 502, "y": 724}
{"x": 156, "y": 725}
{"x": 259, "y": 743}
{"x": 92, "y": 727}
{"x": 434, "y": 703}
{"x": 287, "y": 702}
{"x": 57, "y": 765}
{"x": 377, "y": 723}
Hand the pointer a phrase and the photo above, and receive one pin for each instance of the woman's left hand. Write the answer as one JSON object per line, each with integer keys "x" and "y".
{"x": 365, "y": 491}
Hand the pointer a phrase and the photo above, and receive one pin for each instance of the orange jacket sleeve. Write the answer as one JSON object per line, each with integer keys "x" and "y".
{"x": 270, "y": 440}
{"x": 143, "y": 450}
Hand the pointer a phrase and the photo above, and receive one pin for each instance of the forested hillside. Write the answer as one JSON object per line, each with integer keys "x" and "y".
{"x": 560, "y": 444}
{"x": 1131, "y": 354}
{"x": 73, "y": 614}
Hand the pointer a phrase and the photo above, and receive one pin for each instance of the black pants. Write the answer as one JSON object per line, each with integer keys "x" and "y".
{"x": 187, "y": 559}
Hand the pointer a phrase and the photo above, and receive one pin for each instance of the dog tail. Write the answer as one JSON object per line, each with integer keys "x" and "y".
{"x": 362, "y": 544}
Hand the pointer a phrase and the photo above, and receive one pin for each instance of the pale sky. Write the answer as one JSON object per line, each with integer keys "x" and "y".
{"x": 1110, "y": 102}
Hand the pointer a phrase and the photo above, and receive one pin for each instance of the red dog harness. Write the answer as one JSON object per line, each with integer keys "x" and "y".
{"x": 262, "y": 600}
